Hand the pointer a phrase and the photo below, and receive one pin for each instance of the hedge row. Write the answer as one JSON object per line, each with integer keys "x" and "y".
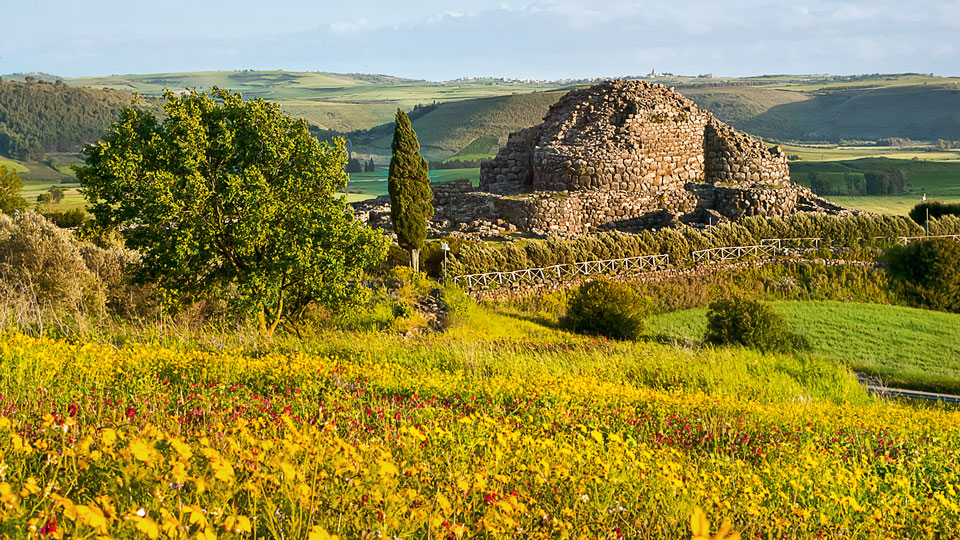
{"x": 852, "y": 231}
{"x": 937, "y": 210}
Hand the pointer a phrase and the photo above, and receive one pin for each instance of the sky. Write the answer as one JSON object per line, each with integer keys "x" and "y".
{"x": 443, "y": 40}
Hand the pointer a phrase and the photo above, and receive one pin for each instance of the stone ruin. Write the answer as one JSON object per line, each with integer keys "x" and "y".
{"x": 623, "y": 155}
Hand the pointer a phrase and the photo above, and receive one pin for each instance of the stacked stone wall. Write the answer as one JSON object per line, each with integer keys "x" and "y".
{"x": 733, "y": 158}
{"x": 623, "y": 155}
{"x": 512, "y": 169}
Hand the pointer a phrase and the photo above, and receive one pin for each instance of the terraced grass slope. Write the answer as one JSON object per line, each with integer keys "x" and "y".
{"x": 906, "y": 347}
{"x": 923, "y": 112}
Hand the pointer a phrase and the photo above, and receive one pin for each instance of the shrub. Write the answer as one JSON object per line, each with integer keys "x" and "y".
{"x": 937, "y": 209}
{"x": 68, "y": 219}
{"x": 605, "y": 308}
{"x": 929, "y": 273}
{"x": 43, "y": 260}
{"x": 751, "y": 323}
{"x": 48, "y": 267}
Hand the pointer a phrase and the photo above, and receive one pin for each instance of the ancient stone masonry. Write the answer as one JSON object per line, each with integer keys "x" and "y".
{"x": 624, "y": 155}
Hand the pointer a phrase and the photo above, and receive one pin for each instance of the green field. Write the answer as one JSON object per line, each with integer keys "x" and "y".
{"x": 20, "y": 168}
{"x": 812, "y": 152}
{"x": 369, "y": 185}
{"x": 905, "y": 347}
{"x": 895, "y": 205}
{"x": 332, "y": 101}
{"x": 937, "y": 179}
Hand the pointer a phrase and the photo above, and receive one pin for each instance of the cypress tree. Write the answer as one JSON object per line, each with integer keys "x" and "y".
{"x": 410, "y": 193}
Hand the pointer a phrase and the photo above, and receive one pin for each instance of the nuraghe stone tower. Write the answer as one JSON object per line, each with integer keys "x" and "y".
{"x": 626, "y": 155}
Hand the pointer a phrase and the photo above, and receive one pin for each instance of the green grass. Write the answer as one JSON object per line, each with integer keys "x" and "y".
{"x": 364, "y": 186}
{"x": 813, "y": 152}
{"x": 905, "y": 347}
{"x": 895, "y": 205}
{"x": 467, "y": 126}
{"x": 339, "y": 102}
{"x": 20, "y": 168}
{"x": 472, "y": 113}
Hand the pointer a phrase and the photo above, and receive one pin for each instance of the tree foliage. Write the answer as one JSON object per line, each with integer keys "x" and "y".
{"x": 10, "y": 186}
{"x": 605, "y": 308}
{"x": 751, "y": 323}
{"x": 409, "y": 186}
{"x": 929, "y": 271}
{"x": 230, "y": 197}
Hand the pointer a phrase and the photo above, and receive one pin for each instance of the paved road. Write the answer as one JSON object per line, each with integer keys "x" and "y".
{"x": 873, "y": 386}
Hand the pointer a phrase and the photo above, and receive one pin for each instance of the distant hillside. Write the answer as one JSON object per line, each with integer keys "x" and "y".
{"x": 40, "y": 117}
{"x": 271, "y": 84}
{"x": 447, "y": 128}
{"x": 923, "y": 112}
{"x": 920, "y": 112}
{"x": 468, "y": 118}
{"x": 339, "y": 102}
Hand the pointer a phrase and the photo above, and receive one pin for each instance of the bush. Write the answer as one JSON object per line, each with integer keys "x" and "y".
{"x": 46, "y": 264}
{"x": 937, "y": 210}
{"x": 605, "y": 308}
{"x": 69, "y": 219}
{"x": 929, "y": 273}
{"x": 43, "y": 260}
{"x": 751, "y": 323}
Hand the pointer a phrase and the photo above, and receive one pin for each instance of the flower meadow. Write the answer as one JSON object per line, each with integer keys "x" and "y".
{"x": 444, "y": 439}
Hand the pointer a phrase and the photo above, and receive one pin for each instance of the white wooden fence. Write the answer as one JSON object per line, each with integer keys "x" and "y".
{"x": 904, "y": 240}
{"x": 768, "y": 247}
{"x": 628, "y": 265}
{"x": 735, "y": 253}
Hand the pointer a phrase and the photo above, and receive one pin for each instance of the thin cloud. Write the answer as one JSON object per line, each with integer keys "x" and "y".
{"x": 545, "y": 39}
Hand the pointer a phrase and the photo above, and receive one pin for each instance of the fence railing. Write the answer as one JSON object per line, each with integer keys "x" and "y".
{"x": 782, "y": 242}
{"x": 768, "y": 247}
{"x": 628, "y": 265}
{"x": 904, "y": 240}
{"x": 735, "y": 253}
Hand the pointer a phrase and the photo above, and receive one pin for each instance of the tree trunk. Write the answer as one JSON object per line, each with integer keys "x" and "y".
{"x": 415, "y": 259}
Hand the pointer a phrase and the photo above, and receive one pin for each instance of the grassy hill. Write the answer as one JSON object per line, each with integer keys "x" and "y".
{"x": 470, "y": 119}
{"x": 906, "y": 347}
{"x": 924, "y": 112}
{"x": 331, "y": 101}
{"x": 470, "y": 126}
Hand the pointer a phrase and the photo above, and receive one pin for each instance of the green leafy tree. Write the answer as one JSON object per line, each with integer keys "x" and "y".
{"x": 225, "y": 195}
{"x": 10, "y": 186}
{"x": 410, "y": 193}
{"x": 52, "y": 196}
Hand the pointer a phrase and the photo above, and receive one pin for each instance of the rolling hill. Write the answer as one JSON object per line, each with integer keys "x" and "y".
{"x": 470, "y": 118}
{"x": 449, "y": 128}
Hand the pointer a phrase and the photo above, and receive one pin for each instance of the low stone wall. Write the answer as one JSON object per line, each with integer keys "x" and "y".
{"x": 655, "y": 276}
{"x": 459, "y": 207}
{"x": 734, "y": 203}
